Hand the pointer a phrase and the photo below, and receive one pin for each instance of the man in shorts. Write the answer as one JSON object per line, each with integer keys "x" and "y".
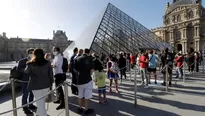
{"x": 84, "y": 67}
{"x": 152, "y": 66}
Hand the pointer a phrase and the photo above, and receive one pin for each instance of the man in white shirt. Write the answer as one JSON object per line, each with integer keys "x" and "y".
{"x": 59, "y": 77}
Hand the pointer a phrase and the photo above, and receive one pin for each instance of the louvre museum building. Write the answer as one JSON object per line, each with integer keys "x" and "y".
{"x": 15, "y": 48}
{"x": 183, "y": 25}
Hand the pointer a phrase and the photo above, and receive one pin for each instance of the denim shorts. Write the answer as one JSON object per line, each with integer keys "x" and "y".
{"x": 102, "y": 90}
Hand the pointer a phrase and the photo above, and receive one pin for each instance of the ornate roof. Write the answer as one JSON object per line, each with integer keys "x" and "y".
{"x": 180, "y": 2}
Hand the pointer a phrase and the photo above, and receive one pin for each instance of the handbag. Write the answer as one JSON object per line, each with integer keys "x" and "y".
{"x": 51, "y": 97}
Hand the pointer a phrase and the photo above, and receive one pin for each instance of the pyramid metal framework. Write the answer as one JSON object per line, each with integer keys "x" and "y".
{"x": 114, "y": 31}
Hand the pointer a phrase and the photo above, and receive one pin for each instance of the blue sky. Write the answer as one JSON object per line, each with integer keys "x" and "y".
{"x": 38, "y": 18}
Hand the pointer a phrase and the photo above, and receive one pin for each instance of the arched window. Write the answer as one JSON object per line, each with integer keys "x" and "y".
{"x": 191, "y": 14}
{"x": 178, "y": 35}
{"x": 178, "y": 18}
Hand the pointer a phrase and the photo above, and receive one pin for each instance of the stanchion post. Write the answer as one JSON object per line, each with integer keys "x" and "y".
{"x": 13, "y": 96}
{"x": 166, "y": 77}
{"x": 130, "y": 71}
{"x": 184, "y": 72}
{"x": 135, "y": 89}
{"x": 195, "y": 66}
{"x": 203, "y": 61}
{"x": 66, "y": 98}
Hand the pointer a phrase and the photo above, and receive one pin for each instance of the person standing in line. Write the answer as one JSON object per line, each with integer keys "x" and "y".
{"x": 132, "y": 60}
{"x": 48, "y": 56}
{"x": 179, "y": 60}
{"x": 59, "y": 76}
{"x": 99, "y": 78}
{"x": 122, "y": 66}
{"x": 167, "y": 59}
{"x": 84, "y": 66}
{"x": 152, "y": 66}
{"x": 26, "y": 94}
{"x": 74, "y": 89}
{"x": 112, "y": 72}
{"x": 191, "y": 61}
{"x": 143, "y": 60}
{"x": 41, "y": 74}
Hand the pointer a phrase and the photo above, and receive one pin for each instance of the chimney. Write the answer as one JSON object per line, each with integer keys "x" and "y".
{"x": 53, "y": 32}
{"x": 167, "y": 5}
{"x": 4, "y": 34}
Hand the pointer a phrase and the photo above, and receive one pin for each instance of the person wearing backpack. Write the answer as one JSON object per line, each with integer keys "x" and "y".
{"x": 152, "y": 66}
{"x": 26, "y": 94}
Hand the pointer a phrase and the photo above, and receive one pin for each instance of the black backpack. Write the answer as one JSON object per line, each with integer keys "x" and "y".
{"x": 65, "y": 65}
{"x": 15, "y": 74}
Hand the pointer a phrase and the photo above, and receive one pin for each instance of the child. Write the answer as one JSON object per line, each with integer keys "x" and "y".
{"x": 100, "y": 77}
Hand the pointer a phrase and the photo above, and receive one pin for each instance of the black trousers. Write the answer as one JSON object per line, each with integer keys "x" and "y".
{"x": 59, "y": 79}
{"x": 191, "y": 68}
{"x": 123, "y": 73}
{"x": 74, "y": 89}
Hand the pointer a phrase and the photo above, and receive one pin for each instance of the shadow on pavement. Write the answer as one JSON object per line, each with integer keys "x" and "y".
{"x": 117, "y": 107}
{"x": 177, "y": 104}
{"x": 7, "y": 95}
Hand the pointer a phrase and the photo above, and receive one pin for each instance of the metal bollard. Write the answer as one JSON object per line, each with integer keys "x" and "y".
{"x": 135, "y": 89}
{"x": 195, "y": 65}
{"x": 184, "y": 72}
{"x": 167, "y": 77}
{"x": 203, "y": 61}
{"x": 13, "y": 97}
{"x": 66, "y": 98}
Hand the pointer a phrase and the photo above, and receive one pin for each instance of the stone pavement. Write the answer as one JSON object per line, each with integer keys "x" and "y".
{"x": 7, "y": 65}
{"x": 183, "y": 99}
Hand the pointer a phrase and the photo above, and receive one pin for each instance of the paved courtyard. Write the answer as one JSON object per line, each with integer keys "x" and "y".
{"x": 183, "y": 99}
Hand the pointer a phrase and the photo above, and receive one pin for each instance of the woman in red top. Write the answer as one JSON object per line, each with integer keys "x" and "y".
{"x": 179, "y": 60}
{"x": 132, "y": 61}
{"x": 143, "y": 60}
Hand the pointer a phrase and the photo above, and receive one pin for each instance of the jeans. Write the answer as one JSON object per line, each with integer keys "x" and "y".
{"x": 143, "y": 72}
{"x": 41, "y": 108}
{"x": 26, "y": 94}
{"x": 179, "y": 72}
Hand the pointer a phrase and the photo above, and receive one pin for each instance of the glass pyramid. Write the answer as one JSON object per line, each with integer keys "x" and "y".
{"x": 114, "y": 31}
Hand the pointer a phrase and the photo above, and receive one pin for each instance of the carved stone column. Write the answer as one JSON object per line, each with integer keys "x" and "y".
{"x": 196, "y": 31}
{"x": 185, "y": 46}
{"x": 184, "y": 33}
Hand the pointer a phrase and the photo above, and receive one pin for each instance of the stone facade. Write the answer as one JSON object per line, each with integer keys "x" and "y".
{"x": 183, "y": 25}
{"x": 15, "y": 48}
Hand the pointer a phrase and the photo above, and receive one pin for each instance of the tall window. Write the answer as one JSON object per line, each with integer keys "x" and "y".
{"x": 168, "y": 20}
{"x": 178, "y": 35}
{"x": 191, "y": 14}
{"x": 178, "y": 18}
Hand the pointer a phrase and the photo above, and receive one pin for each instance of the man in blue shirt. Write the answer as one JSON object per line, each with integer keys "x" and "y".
{"x": 152, "y": 66}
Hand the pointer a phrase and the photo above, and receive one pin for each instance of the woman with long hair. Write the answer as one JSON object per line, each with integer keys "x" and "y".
{"x": 112, "y": 72}
{"x": 41, "y": 78}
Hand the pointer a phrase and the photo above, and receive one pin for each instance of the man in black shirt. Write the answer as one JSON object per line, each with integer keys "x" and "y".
{"x": 84, "y": 67}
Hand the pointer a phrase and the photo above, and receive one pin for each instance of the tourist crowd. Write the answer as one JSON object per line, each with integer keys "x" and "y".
{"x": 41, "y": 71}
